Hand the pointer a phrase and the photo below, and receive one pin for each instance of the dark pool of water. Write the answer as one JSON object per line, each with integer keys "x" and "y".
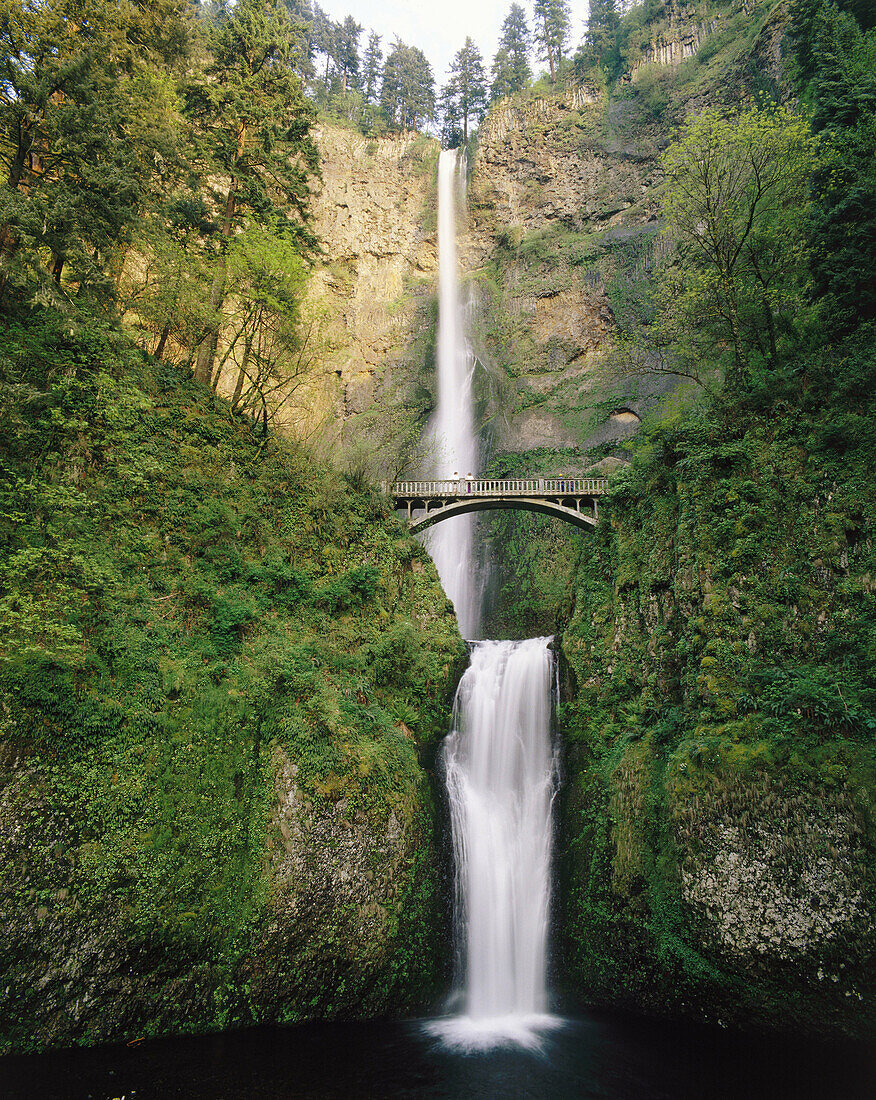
{"x": 593, "y": 1056}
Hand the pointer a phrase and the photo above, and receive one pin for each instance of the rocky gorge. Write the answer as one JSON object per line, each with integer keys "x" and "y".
{"x": 218, "y": 793}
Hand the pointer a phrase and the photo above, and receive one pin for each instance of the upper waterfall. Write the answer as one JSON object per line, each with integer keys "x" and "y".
{"x": 452, "y": 430}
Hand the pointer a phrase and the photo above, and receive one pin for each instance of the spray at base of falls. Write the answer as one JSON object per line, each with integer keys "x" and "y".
{"x": 501, "y": 776}
{"x": 498, "y": 757}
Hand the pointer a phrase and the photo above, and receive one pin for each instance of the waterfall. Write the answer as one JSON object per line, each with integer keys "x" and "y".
{"x": 498, "y": 757}
{"x": 452, "y": 431}
{"x": 500, "y": 774}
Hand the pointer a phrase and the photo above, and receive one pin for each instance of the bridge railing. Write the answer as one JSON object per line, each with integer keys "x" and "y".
{"x": 532, "y": 486}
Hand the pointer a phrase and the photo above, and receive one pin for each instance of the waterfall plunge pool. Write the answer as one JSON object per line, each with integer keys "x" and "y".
{"x": 592, "y": 1056}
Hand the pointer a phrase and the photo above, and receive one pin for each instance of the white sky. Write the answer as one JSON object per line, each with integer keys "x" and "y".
{"x": 439, "y": 27}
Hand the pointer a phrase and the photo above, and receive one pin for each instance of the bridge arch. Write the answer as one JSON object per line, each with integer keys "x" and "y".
{"x": 525, "y": 504}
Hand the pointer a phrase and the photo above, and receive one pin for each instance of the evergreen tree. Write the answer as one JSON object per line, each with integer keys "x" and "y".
{"x": 372, "y": 68}
{"x": 467, "y": 88}
{"x": 87, "y": 128}
{"x": 347, "y": 52}
{"x": 301, "y": 15}
{"x": 552, "y": 25}
{"x": 451, "y": 120}
{"x": 407, "y": 93}
{"x": 502, "y": 83}
{"x": 603, "y": 25}
{"x": 511, "y": 71}
{"x": 253, "y": 127}
{"x": 844, "y": 187}
{"x": 325, "y": 37}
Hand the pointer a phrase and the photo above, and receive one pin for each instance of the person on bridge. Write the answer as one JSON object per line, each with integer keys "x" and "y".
{"x": 468, "y": 481}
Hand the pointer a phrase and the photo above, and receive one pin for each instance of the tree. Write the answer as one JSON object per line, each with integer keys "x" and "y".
{"x": 451, "y": 120}
{"x": 603, "y": 24}
{"x": 87, "y": 130}
{"x": 253, "y": 126}
{"x": 552, "y": 25}
{"x": 267, "y": 277}
{"x": 373, "y": 63}
{"x": 511, "y": 72}
{"x": 843, "y": 232}
{"x": 348, "y": 52}
{"x": 466, "y": 93}
{"x": 325, "y": 34}
{"x": 302, "y": 17}
{"x": 735, "y": 187}
{"x": 407, "y": 93}
{"x": 169, "y": 296}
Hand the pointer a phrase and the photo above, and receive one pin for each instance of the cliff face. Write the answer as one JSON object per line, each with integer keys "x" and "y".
{"x": 561, "y": 194}
{"x": 370, "y": 297}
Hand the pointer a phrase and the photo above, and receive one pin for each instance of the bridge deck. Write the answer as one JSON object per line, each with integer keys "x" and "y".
{"x": 548, "y": 488}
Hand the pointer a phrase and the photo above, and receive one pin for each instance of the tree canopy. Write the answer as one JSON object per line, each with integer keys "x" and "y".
{"x": 464, "y": 98}
{"x": 407, "y": 94}
{"x": 511, "y": 72}
{"x": 735, "y": 187}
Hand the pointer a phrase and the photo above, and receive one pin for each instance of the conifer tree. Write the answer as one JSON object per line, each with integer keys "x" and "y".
{"x": 451, "y": 121}
{"x": 466, "y": 91}
{"x": 301, "y": 14}
{"x": 552, "y": 25}
{"x": 407, "y": 93}
{"x": 502, "y": 82}
{"x": 602, "y": 32}
{"x": 373, "y": 63}
{"x": 347, "y": 55}
{"x": 325, "y": 35}
{"x": 511, "y": 71}
{"x": 87, "y": 126}
{"x": 516, "y": 40}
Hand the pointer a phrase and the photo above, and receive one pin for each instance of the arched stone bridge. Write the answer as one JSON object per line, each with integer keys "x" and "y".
{"x": 571, "y": 499}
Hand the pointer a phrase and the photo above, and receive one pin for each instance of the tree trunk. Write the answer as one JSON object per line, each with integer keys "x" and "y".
{"x": 162, "y": 340}
{"x": 740, "y": 361}
{"x": 241, "y": 374}
{"x": 207, "y": 347}
{"x": 550, "y": 52}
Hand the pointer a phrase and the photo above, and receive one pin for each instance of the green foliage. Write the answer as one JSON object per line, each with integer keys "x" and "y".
{"x": 184, "y": 598}
{"x": 843, "y": 64}
{"x": 533, "y": 556}
{"x": 736, "y": 187}
{"x": 407, "y": 94}
{"x": 87, "y": 116}
{"x": 551, "y": 26}
{"x": 464, "y": 97}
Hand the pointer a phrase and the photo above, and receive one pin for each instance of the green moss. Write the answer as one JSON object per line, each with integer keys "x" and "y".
{"x": 718, "y": 663}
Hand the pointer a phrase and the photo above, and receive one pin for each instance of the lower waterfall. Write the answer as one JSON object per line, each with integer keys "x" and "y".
{"x": 501, "y": 776}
